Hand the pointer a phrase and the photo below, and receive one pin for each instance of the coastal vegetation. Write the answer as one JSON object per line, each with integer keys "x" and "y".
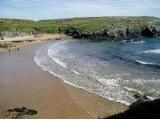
{"x": 27, "y": 26}
{"x": 90, "y": 24}
{"x": 85, "y": 27}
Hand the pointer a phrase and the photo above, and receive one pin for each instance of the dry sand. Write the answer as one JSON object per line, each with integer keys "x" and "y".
{"x": 17, "y": 42}
{"x": 23, "y": 83}
{"x": 35, "y": 37}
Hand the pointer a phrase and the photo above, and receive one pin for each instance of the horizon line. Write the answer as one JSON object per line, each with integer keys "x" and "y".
{"x": 74, "y": 17}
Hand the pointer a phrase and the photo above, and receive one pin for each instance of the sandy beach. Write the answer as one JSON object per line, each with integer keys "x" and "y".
{"x": 16, "y": 42}
{"x": 23, "y": 83}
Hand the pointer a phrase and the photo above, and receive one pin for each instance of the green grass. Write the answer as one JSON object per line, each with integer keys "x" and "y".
{"x": 27, "y": 26}
{"x": 93, "y": 24}
{"x": 83, "y": 24}
{"x": 16, "y": 24}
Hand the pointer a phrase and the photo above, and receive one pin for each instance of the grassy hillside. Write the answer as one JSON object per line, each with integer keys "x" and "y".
{"x": 93, "y": 24}
{"x": 28, "y": 26}
{"x": 83, "y": 24}
{"x": 16, "y": 24}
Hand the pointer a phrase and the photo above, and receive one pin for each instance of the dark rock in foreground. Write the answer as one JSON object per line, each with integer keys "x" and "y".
{"x": 140, "y": 110}
{"x": 18, "y": 112}
{"x": 141, "y": 98}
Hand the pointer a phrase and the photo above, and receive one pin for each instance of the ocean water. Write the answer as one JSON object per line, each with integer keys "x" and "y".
{"x": 114, "y": 70}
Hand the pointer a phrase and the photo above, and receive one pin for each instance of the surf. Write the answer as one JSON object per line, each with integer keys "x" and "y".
{"x": 116, "y": 77}
{"x": 154, "y": 51}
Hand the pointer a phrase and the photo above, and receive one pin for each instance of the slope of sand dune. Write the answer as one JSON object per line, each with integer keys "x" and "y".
{"x": 23, "y": 83}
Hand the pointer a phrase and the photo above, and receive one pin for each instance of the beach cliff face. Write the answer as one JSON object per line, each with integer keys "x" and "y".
{"x": 13, "y": 34}
{"x": 127, "y": 33}
{"x": 124, "y": 33}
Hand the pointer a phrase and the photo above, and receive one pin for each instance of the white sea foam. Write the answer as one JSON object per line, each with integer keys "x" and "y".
{"x": 132, "y": 41}
{"x": 134, "y": 90}
{"x": 142, "y": 62}
{"x": 112, "y": 82}
{"x": 138, "y": 42}
{"x": 54, "y": 53}
{"x": 155, "y": 51}
{"x": 141, "y": 81}
{"x": 151, "y": 98}
{"x": 145, "y": 63}
{"x": 76, "y": 72}
{"x": 58, "y": 61}
{"x": 84, "y": 72}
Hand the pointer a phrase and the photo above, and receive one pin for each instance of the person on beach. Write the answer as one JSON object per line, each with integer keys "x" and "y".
{"x": 9, "y": 50}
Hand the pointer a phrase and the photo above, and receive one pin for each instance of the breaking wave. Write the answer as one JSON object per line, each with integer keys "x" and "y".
{"x": 155, "y": 51}
{"x": 81, "y": 65}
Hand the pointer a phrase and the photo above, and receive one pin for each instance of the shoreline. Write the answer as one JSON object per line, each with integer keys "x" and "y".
{"x": 17, "y": 42}
{"x": 24, "y": 80}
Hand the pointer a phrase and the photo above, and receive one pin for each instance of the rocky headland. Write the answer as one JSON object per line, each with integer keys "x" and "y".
{"x": 105, "y": 28}
{"x": 125, "y": 33}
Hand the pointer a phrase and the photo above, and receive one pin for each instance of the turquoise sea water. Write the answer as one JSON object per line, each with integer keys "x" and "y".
{"x": 114, "y": 70}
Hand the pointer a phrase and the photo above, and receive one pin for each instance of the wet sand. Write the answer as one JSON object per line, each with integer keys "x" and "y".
{"x": 23, "y": 83}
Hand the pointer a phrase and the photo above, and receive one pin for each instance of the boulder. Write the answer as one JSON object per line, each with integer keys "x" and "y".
{"x": 141, "y": 98}
{"x": 19, "y": 112}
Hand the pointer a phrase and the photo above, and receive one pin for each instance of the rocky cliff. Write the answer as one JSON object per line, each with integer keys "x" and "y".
{"x": 127, "y": 33}
{"x": 111, "y": 28}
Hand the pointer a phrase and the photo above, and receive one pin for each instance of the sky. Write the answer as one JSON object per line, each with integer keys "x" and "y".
{"x": 55, "y": 9}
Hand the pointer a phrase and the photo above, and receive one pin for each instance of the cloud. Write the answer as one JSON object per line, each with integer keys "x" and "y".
{"x": 45, "y": 9}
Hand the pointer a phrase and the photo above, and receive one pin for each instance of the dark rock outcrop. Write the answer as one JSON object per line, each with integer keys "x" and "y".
{"x": 148, "y": 31}
{"x": 115, "y": 34}
{"x": 18, "y": 112}
{"x": 141, "y": 98}
{"x": 140, "y": 110}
